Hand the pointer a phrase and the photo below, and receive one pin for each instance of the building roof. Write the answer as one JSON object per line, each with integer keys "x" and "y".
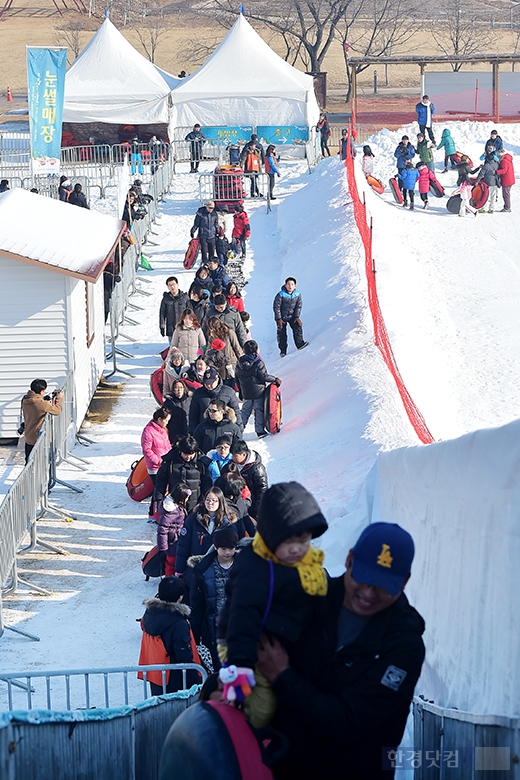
{"x": 56, "y": 235}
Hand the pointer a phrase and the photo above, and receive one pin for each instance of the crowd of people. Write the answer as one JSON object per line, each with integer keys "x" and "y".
{"x": 244, "y": 592}
{"x": 495, "y": 168}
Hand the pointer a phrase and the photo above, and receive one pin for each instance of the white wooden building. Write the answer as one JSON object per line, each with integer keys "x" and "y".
{"x": 52, "y": 256}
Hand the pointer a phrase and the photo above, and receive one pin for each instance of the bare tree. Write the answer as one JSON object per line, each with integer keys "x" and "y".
{"x": 73, "y": 36}
{"x": 461, "y": 32}
{"x": 197, "y": 49}
{"x": 150, "y": 31}
{"x": 307, "y": 27}
{"x": 379, "y": 28}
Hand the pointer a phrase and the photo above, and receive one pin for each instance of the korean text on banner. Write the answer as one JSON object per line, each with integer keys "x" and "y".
{"x": 46, "y": 85}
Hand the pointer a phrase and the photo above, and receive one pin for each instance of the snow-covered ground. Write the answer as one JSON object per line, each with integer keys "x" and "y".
{"x": 449, "y": 290}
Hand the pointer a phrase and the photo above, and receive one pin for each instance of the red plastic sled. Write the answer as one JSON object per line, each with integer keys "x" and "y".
{"x": 394, "y": 189}
{"x": 229, "y": 185}
{"x": 436, "y": 188}
{"x": 272, "y": 409}
{"x": 156, "y": 384}
{"x": 139, "y": 484}
{"x": 459, "y": 157}
{"x": 191, "y": 253}
{"x": 479, "y": 195}
{"x": 221, "y": 746}
{"x": 151, "y": 564}
{"x": 376, "y": 185}
{"x": 453, "y": 204}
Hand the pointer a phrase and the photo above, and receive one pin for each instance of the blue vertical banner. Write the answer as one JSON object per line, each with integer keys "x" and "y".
{"x": 46, "y": 87}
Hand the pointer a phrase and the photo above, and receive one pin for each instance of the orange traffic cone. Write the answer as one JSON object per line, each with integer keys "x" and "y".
{"x": 9, "y": 96}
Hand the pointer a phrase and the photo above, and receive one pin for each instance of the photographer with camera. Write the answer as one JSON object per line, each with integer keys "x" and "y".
{"x": 35, "y": 405}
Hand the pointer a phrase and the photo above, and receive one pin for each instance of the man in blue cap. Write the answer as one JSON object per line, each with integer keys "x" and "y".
{"x": 344, "y": 691}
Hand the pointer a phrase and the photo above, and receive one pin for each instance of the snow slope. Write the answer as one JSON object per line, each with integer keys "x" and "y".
{"x": 448, "y": 289}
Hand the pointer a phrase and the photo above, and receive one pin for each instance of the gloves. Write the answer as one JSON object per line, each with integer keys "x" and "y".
{"x": 277, "y": 382}
{"x": 163, "y": 332}
{"x": 297, "y": 321}
{"x": 192, "y": 233}
{"x": 279, "y": 324}
{"x": 278, "y": 175}
{"x": 238, "y": 681}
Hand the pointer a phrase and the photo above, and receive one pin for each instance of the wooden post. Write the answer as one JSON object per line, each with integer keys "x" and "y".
{"x": 496, "y": 91}
{"x": 423, "y": 79}
{"x": 353, "y": 102}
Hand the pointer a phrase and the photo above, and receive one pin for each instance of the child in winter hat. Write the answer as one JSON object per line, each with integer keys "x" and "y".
{"x": 273, "y": 588}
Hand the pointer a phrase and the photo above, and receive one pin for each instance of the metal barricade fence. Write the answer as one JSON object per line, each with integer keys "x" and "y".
{"x": 74, "y": 689}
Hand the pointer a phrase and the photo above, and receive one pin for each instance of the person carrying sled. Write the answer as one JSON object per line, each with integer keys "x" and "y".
{"x": 344, "y": 690}
{"x": 408, "y": 178}
{"x": 488, "y": 174}
{"x": 465, "y": 186}
{"x": 196, "y": 140}
{"x": 166, "y": 632}
{"x": 206, "y": 223}
{"x": 250, "y": 160}
{"x": 325, "y": 133}
{"x": 506, "y": 172}
{"x": 273, "y": 587}
{"x": 287, "y": 308}
{"x": 425, "y": 177}
{"x": 252, "y": 378}
{"x": 241, "y": 231}
{"x": 404, "y": 152}
{"x": 448, "y": 144}
{"x": 425, "y": 111}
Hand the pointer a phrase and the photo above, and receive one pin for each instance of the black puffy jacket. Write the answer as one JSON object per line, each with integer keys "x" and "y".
{"x": 287, "y": 306}
{"x": 339, "y": 710}
{"x": 169, "y": 620}
{"x": 206, "y": 222}
{"x": 174, "y": 469}
{"x": 178, "y": 409}
{"x": 194, "y": 539}
{"x": 252, "y": 376}
{"x": 171, "y": 309}
{"x": 200, "y": 401}
{"x": 255, "y": 476}
{"x": 208, "y": 431}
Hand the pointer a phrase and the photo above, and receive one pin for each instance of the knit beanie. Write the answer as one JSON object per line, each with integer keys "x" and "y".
{"x": 288, "y": 509}
{"x": 225, "y": 537}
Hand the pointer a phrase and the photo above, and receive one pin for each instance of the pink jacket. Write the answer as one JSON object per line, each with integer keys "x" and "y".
{"x": 154, "y": 443}
{"x": 425, "y": 177}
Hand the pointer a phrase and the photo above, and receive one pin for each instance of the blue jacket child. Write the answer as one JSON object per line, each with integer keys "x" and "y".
{"x": 408, "y": 177}
{"x": 405, "y": 151}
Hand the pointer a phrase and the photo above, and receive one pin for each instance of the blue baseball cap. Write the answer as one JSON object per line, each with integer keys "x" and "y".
{"x": 383, "y": 557}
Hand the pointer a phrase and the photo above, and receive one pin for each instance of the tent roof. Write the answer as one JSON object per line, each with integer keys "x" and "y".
{"x": 56, "y": 235}
{"x": 111, "y": 81}
{"x": 244, "y": 65}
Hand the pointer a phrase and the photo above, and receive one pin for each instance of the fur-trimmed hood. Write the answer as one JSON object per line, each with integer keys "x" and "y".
{"x": 228, "y": 412}
{"x": 169, "y": 606}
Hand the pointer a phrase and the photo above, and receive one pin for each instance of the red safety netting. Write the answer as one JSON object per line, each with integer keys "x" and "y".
{"x": 380, "y": 333}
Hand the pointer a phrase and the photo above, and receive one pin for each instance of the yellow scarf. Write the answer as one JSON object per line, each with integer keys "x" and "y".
{"x": 312, "y": 574}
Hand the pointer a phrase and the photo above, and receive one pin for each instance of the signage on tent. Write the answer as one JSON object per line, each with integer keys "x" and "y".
{"x": 231, "y": 134}
{"x": 46, "y": 86}
{"x": 279, "y": 134}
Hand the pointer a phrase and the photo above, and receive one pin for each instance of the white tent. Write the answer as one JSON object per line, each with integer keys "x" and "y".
{"x": 111, "y": 82}
{"x": 244, "y": 82}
